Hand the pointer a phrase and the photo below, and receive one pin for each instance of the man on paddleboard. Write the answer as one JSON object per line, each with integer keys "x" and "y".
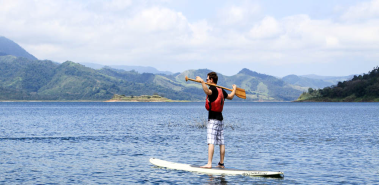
{"x": 214, "y": 104}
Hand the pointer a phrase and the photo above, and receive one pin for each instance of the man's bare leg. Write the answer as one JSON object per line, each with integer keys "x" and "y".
{"x": 211, "y": 148}
{"x": 222, "y": 155}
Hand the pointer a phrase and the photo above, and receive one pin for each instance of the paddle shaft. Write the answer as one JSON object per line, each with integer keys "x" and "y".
{"x": 211, "y": 84}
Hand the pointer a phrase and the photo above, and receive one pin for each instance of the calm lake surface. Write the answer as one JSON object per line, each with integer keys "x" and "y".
{"x": 111, "y": 143}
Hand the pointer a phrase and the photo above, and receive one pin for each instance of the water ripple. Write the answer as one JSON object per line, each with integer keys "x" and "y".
{"x": 100, "y": 143}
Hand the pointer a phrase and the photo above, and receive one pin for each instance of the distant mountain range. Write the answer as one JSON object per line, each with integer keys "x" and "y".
{"x": 315, "y": 81}
{"x": 139, "y": 69}
{"x": 8, "y": 47}
{"x": 332, "y": 79}
{"x": 23, "y": 77}
{"x": 306, "y": 81}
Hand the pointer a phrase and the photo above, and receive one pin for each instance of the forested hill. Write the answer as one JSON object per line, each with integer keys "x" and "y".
{"x": 25, "y": 79}
{"x": 362, "y": 88}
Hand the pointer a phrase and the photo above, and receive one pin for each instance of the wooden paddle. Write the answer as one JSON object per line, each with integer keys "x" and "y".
{"x": 239, "y": 92}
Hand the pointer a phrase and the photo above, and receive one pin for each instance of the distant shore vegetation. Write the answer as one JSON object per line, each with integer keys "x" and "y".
{"x": 362, "y": 88}
{"x": 142, "y": 98}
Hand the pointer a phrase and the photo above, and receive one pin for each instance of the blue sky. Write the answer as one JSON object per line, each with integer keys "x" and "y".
{"x": 325, "y": 37}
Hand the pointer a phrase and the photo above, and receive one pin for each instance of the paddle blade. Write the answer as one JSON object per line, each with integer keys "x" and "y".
{"x": 241, "y": 93}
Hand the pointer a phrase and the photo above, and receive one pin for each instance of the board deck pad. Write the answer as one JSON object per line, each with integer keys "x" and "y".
{"x": 213, "y": 170}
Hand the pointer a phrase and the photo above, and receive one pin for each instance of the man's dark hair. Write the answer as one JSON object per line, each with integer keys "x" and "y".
{"x": 213, "y": 75}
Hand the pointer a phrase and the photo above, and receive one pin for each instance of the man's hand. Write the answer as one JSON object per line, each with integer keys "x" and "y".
{"x": 234, "y": 87}
{"x": 199, "y": 79}
{"x": 205, "y": 88}
{"x": 231, "y": 95}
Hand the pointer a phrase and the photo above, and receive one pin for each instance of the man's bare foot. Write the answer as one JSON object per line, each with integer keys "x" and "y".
{"x": 206, "y": 166}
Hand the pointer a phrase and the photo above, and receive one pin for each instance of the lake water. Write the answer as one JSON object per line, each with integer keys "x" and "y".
{"x": 111, "y": 143}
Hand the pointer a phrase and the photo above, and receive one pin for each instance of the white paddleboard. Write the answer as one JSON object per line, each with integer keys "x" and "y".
{"x": 214, "y": 170}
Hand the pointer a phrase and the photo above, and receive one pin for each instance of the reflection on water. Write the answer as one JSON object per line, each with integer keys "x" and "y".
{"x": 217, "y": 180}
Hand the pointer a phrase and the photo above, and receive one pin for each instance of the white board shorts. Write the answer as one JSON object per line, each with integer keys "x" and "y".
{"x": 215, "y": 132}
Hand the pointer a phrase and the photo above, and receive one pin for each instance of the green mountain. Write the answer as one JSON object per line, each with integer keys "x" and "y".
{"x": 259, "y": 87}
{"x": 8, "y": 47}
{"x": 265, "y": 87}
{"x": 25, "y": 79}
{"x": 24, "y": 75}
{"x": 149, "y": 84}
{"x": 361, "y": 88}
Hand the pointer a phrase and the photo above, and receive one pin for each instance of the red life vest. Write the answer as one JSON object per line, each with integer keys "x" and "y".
{"x": 218, "y": 104}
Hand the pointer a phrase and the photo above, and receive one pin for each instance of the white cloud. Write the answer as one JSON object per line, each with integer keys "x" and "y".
{"x": 200, "y": 32}
{"x": 158, "y": 19}
{"x": 238, "y": 14}
{"x": 234, "y": 14}
{"x": 331, "y": 41}
{"x": 117, "y": 5}
{"x": 149, "y": 33}
{"x": 267, "y": 28}
{"x": 300, "y": 32}
{"x": 364, "y": 10}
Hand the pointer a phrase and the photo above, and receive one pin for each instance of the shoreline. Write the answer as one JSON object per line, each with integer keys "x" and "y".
{"x": 178, "y": 101}
{"x": 83, "y": 101}
{"x": 136, "y": 101}
{"x": 115, "y": 101}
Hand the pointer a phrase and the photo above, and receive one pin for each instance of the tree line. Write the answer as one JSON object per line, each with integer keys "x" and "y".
{"x": 364, "y": 87}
